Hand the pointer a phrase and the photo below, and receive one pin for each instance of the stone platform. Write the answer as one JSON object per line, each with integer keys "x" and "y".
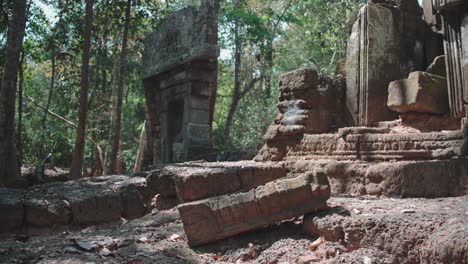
{"x": 367, "y": 144}
{"x": 82, "y": 202}
{"x": 423, "y": 178}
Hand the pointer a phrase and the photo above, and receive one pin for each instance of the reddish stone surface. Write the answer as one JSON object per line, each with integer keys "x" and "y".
{"x": 220, "y": 217}
{"x": 199, "y": 180}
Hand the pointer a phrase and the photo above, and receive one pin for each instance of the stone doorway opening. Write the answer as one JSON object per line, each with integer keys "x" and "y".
{"x": 175, "y": 122}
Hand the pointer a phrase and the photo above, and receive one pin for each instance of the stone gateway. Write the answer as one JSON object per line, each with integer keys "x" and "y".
{"x": 180, "y": 76}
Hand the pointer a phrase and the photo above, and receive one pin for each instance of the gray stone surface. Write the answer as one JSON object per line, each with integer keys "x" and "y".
{"x": 180, "y": 80}
{"x": 82, "y": 202}
{"x": 421, "y": 93}
{"x": 386, "y": 44}
{"x": 186, "y": 35}
{"x": 11, "y": 210}
{"x": 46, "y": 209}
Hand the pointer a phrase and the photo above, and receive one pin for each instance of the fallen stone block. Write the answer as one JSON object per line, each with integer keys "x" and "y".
{"x": 196, "y": 181}
{"x": 104, "y": 199}
{"x": 216, "y": 218}
{"x": 44, "y": 209}
{"x": 133, "y": 203}
{"x": 422, "y": 93}
{"x": 12, "y": 209}
{"x": 135, "y": 194}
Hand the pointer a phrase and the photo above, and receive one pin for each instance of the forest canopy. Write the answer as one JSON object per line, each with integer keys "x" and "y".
{"x": 270, "y": 37}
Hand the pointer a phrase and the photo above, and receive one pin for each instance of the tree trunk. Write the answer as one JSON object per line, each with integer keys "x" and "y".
{"x": 269, "y": 67}
{"x": 19, "y": 132}
{"x": 9, "y": 174}
{"x": 237, "y": 82}
{"x": 49, "y": 99}
{"x": 1, "y": 12}
{"x": 113, "y": 93}
{"x": 141, "y": 147}
{"x": 77, "y": 160}
{"x": 114, "y": 166}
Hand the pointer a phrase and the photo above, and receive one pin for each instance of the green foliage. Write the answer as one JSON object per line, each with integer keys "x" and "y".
{"x": 275, "y": 36}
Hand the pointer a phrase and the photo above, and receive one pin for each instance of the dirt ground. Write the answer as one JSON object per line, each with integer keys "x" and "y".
{"x": 354, "y": 230}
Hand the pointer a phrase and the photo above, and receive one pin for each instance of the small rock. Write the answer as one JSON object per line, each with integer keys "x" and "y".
{"x": 317, "y": 243}
{"x": 175, "y": 237}
{"x": 367, "y": 260}
{"x": 307, "y": 259}
{"x": 143, "y": 239}
{"x": 71, "y": 250}
{"x": 105, "y": 252}
{"x": 86, "y": 245}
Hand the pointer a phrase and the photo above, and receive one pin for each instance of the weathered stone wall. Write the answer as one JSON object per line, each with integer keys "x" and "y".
{"x": 386, "y": 44}
{"x": 180, "y": 78}
{"x": 82, "y": 202}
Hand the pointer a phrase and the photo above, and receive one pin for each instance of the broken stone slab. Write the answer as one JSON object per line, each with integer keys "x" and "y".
{"x": 104, "y": 199}
{"x": 195, "y": 181}
{"x": 45, "y": 209}
{"x": 216, "y": 218}
{"x": 81, "y": 202}
{"x": 12, "y": 210}
{"x": 422, "y": 93}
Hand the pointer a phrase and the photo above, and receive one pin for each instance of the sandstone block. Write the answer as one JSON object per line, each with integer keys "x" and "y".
{"x": 216, "y": 218}
{"x": 11, "y": 208}
{"x": 44, "y": 209}
{"x": 104, "y": 199}
{"x": 421, "y": 92}
{"x": 161, "y": 182}
{"x": 430, "y": 122}
{"x": 133, "y": 203}
{"x": 298, "y": 81}
{"x": 204, "y": 180}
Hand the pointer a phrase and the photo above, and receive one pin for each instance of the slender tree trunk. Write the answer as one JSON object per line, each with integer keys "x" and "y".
{"x": 77, "y": 160}
{"x": 268, "y": 67}
{"x": 97, "y": 70}
{"x": 114, "y": 167}
{"x": 19, "y": 131}
{"x": 237, "y": 83}
{"x": 113, "y": 97}
{"x": 49, "y": 100}
{"x": 141, "y": 147}
{"x": 1, "y": 12}
{"x": 9, "y": 174}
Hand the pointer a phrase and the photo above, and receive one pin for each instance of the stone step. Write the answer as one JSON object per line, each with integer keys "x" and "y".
{"x": 216, "y": 218}
{"x": 422, "y": 178}
{"x": 195, "y": 181}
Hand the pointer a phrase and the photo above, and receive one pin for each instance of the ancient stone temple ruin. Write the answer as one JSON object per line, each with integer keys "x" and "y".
{"x": 180, "y": 76}
{"x": 391, "y": 124}
{"x": 354, "y": 160}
